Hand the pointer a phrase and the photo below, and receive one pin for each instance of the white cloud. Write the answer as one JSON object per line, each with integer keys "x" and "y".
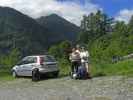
{"x": 72, "y": 11}
{"x": 124, "y": 15}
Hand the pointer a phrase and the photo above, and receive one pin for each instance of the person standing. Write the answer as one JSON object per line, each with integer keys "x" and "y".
{"x": 75, "y": 60}
{"x": 85, "y": 60}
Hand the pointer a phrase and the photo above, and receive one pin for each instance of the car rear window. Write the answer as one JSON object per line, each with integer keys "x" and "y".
{"x": 48, "y": 58}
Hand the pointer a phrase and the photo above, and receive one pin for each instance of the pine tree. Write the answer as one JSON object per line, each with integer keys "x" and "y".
{"x": 94, "y": 26}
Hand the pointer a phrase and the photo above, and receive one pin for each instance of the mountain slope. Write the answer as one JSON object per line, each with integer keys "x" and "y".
{"x": 32, "y": 36}
{"x": 21, "y": 31}
{"x": 60, "y": 27}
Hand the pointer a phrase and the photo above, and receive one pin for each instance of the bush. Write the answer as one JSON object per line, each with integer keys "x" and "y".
{"x": 64, "y": 66}
{"x": 60, "y": 50}
{"x": 7, "y": 62}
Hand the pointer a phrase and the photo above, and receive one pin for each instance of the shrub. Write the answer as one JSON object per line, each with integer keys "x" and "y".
{"x": 64, "y": 66}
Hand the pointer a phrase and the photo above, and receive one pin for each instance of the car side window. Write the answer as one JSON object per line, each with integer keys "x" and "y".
{"x": 28, "y": 60}
{"x": 32, "y": 60}
{"x": 21, "y": 62}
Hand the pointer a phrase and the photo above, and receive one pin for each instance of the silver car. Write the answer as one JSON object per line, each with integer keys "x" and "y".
{"x": 40, "y": 64}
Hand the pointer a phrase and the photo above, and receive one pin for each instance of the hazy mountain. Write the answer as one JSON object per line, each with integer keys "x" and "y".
{"x": 19, "y": 30}
{"x": 60, "y": 28}
{"x": 30, "y": 35}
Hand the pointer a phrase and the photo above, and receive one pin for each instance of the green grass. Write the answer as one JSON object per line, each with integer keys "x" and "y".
{"x": 5, "y": 74}
{"x": 120, "y": 68}
{"x": 124, "y": 68}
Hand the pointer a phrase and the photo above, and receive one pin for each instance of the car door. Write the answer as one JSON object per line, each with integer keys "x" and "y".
{"x": 31, "y": 63}
{"x": 28, "y": 64}
{"x": 20, "y": 66}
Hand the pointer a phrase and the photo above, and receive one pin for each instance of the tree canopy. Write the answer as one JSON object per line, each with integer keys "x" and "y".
{"x": 106, "y": 38}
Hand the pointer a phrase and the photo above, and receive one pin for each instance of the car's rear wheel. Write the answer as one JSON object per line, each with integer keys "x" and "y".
{"x": 35, "y": 75}
{"x": 14, "y": 74}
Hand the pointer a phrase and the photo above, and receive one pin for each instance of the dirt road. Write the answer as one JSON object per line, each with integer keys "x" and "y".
{"x": 102, "y": 88}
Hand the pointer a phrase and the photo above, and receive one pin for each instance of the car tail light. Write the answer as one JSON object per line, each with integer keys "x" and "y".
{"x": 41, "y": 61}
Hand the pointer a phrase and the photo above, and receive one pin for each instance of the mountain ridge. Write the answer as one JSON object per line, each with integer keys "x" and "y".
{"x": 59, "y": 25}
{"x": 18, "y": 30}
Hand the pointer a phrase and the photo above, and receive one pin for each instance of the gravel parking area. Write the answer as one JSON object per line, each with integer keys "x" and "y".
{"x": 102, "y": 88}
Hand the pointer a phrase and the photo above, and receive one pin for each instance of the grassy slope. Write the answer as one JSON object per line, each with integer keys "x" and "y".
{"x": 120, "y": 68}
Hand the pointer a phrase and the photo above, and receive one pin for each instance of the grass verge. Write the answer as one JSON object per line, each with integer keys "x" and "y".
{"x": 119, "y": 68}
{"x": 5, "y": 74}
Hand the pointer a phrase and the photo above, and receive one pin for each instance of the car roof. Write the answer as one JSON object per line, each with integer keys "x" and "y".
{"x": 39, "y": 55}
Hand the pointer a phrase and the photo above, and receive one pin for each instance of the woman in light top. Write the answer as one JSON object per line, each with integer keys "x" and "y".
{"x": 84, "y": 54}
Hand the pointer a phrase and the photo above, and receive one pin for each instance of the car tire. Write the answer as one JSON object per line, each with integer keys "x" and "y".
{"x": 35, "y": 75}
{"x": 14, "y": 74}
{"x": 55, "y": 74}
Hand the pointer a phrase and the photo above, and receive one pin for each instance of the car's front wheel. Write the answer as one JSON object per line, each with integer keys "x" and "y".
{"x": 14, "y": 74}
{"x": 35, "y": 75}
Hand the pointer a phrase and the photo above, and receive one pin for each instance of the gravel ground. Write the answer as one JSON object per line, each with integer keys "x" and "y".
{"x": 102, "y": 88}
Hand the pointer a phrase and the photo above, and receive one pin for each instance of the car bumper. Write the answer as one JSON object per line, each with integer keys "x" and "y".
{"x": 42, "y": 70}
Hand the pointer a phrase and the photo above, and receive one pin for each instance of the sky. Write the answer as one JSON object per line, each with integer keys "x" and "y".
{"x": 72, "y": 10}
